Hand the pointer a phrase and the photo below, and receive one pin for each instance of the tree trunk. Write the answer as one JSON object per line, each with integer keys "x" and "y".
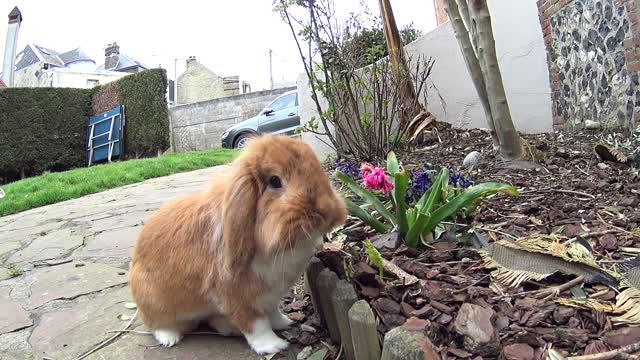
{"x": 511, "y": 145}
{"x": 471, "y": 60}
{"x": 409, "y": 106}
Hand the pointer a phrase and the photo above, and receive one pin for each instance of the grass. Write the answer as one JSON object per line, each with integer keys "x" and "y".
{"x": 51, "y": 188}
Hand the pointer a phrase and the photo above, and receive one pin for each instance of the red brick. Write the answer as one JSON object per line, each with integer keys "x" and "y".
{"x": 633, "y": 65}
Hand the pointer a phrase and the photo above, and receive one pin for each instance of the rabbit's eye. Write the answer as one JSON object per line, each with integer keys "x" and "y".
{"x": 275, "y": 182}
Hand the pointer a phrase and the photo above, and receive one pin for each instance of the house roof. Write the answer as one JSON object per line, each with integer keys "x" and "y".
{"x": 2, "y": 84}
{"x": 124, "y": 62}
{"x": 74, "y": 55}
{"x": 35, "y": 53}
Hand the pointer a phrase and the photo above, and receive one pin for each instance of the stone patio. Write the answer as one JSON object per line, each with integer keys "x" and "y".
{"x": 74, "y": 256}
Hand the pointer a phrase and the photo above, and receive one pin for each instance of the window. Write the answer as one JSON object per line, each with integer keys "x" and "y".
{"x": 284, "y": 102}
{"x": 91, "y": 83}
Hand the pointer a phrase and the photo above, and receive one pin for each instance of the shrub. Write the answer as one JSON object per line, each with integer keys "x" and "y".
{"x": 42, "y": 129}
{"x": 146, "y": 113}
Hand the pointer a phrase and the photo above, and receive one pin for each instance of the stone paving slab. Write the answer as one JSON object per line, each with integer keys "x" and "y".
{"x": 75, "y": 257}
{"x": 12, "y": 316}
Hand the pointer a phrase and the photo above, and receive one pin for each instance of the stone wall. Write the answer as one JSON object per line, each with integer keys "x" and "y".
{"x": 198, "y": 83}
{"x": 200, "y": 125}
{"x": 593, "y": 59}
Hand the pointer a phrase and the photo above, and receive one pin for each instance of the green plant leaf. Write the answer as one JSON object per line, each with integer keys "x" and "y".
{"x": 392, "y": 163}
{"x": 374, "y": 257}
{"x": 437, "y": 190}
{"x": 578, "y": 293}
{"x": 467, "y": 197}
{"x": 424, "y": 207}
{"x": 318, "y": 355}
{"x": 124, "y": 317}
{"x": 400, "y": 184}
{"x": 361, "y": 214}
{"x": 367, "y": 196}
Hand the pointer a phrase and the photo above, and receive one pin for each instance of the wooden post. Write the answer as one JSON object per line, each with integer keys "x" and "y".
{"x": 403, "y": 344}
{"x": 311, "y": 285}
{"x": 364, "y": 333}
{"x": 327, "y": 281}
{"x": 343, "y": 297}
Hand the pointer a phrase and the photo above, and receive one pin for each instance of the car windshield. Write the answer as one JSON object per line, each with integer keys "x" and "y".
{"x": 284, "y": 102}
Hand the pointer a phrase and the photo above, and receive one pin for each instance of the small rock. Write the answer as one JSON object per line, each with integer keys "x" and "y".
{"x": 631, "y": 201}
{"x": 307, "y": 328}
{"x": 587, "y": 185}
{"x": 416, "y": 324}
{"x": 602, "y": 166}
{"x": 370, "y": 292}
{"x": 562, "y": 314}
{"x": 590, "y": 124}
{"x": 296, "y": 305}
{"x": 595, "y": 347}
{"x": 393, "y": 320}
{"x": 518, "y": 352}
{"x": 608, "y": 241}
{"x": 386, "y": 241}
{"x": 502, "y": 322}
{"x": 387, "y": 305}
{"x": 622, "y": 337}
{"x": 307, "y": 338}
{"x": 472, "y": 159}
{"x": 570, "y": 207}
{"x": 459, "y": 353}
{"x": 474, "y": 322}
{"x": 444, "y": 319}
{"x": 297, "y": 316}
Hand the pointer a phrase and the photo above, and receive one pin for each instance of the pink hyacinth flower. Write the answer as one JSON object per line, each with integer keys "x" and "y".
{"x": 374, "y": 178}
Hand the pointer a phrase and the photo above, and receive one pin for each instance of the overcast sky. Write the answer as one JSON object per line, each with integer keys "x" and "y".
{"x": 229, "y": 37}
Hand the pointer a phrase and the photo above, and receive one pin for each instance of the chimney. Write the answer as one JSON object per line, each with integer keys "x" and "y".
{"x": 11, "y": 46}
{"x": 111, "y": 56}
{"x": 190, "y": 61}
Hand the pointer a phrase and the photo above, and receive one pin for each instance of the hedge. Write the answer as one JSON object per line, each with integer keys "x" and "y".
{"x": 45, "y": 128}
{"x": 146, "y": 113}
{"x": 42, "y": 129}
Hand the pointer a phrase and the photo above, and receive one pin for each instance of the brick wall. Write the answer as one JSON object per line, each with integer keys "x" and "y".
{"x": 593, "y": 55}
{"x": 441, "y": 14}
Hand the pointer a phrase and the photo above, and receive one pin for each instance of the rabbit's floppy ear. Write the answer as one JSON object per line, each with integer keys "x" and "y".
{"x": 239, "y": 221}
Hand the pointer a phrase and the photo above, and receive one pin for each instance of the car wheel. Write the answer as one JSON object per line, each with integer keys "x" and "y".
{"x": 241, "y": 141}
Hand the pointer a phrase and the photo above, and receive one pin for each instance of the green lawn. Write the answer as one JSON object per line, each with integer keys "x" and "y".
{"x": 51, "y": 188}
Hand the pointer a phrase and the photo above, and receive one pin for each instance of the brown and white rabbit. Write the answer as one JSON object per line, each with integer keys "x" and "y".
{"x": 229, "y": 254}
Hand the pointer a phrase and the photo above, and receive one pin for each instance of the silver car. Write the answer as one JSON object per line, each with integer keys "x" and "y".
{"x": 279, "y": 117}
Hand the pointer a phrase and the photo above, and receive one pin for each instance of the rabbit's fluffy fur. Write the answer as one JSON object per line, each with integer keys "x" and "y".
{"x": 229, "y": 254}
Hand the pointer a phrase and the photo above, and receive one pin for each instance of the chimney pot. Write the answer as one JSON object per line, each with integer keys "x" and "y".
{"x": 111, "y": 56}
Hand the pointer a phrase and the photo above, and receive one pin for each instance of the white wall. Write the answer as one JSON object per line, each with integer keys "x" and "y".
{"x": 34, "y": 76}
{"x": 522, "y": 57}
{"x": 451, "y": 95}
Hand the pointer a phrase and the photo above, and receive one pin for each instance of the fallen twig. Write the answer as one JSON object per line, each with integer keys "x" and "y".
{"x": 550, "y": 292}
{"x": 616, "y": 227}
{"x": 573, "y": 192}
{"x": 556, "y": 290}
{"x": 496, "y": 231}
{"x": 106, "y": 342}
{"x": 474, "y": 284}
{"x": 591, "y": 234}
{"x": 620, "y": 353}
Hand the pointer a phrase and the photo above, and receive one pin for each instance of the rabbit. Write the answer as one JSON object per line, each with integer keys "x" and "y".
{"x": 229, "y": 254}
